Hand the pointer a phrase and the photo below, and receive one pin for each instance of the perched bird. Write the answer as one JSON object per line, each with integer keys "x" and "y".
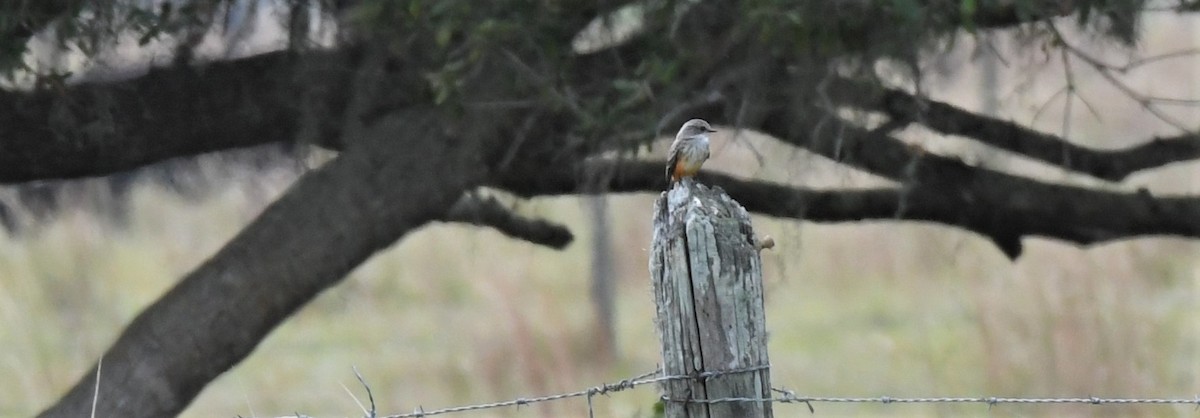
{"x": 689, "y": 150}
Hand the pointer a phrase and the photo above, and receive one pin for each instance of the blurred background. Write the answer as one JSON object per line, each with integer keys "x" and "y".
{"x": 456, "y": 315}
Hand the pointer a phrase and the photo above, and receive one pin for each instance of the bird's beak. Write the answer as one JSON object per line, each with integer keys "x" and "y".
{"x": 709, "y": 130}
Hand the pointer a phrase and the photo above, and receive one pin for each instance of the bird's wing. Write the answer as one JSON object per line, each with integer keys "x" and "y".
{"x": 672, "y": 158}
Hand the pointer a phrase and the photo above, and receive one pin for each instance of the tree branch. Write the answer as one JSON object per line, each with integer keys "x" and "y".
{"x": 1002, "y": 209}
{"x": 1112, "y": 165}
{"x": 1072, "y": 213}
{"x": 487, "y": 211}
{"x": 103, "y": 128}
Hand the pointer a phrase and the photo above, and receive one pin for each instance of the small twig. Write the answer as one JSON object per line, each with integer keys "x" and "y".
{"x": 96, "y": 393}
{"x": 1046, "y": 105}
{"x": 1131, "y": 65}
{"x": 545, "y": 85}
{"x": 1172, "y": 101}
{"x": 707, "y": 98}
{"x": 355, "y": 398}
{"x": 519, "y": 138}
{"x": 370, "y": 396}
{"x": 1066, "y": 120}
{"x": 1106, "y": 70}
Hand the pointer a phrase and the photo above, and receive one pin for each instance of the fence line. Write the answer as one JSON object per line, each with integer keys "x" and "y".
{"x": 785, "y": 396}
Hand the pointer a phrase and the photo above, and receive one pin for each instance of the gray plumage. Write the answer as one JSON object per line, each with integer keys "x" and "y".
{"x": 689, "y": 150}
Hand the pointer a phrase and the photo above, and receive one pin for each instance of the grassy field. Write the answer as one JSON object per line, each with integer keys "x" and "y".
{"x": 456, "y": 315}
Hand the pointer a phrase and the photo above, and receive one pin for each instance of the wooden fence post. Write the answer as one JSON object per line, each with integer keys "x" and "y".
{"x": 708, "y": 291}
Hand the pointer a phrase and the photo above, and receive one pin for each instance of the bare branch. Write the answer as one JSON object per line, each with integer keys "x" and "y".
{"x": 1112, "y": 165}
{"x": 1105, "y": 70}
{"x": 487, "y": 211}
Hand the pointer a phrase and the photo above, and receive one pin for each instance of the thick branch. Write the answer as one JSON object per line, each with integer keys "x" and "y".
{"x": 1112, "y": 165}
{"x": 486, "y": 211}
{"x": 99, "y": 129}
{"x": 1004, "y": 209}
{"x": 329, "y": 222}
{"x": 1072, "y": 213}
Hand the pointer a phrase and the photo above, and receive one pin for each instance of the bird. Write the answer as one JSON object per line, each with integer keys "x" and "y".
{"x": 688, "y": 151}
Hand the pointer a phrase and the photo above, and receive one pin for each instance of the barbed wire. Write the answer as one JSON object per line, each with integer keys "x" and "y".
{"x": 642, "y": 379}
{"x": 784, "y": 396}
{"x": 604, "y": 389}
{"x": 790, "y": 397}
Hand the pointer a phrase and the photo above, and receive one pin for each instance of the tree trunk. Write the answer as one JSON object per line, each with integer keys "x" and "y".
{"x": 328, "y": 223}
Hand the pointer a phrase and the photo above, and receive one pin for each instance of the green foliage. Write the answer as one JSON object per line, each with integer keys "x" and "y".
{"x": 11, "y": 50}
{"x": 967, "y": 8}
{"x": 81, "y": 26}
{"x": 151, "y": 26}
{"x": 454, "y": 41}
{"x": 1116, "y": 18}
{"x": 829, "y": 29}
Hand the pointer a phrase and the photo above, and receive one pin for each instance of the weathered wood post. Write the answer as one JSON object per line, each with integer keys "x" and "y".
{"x": 707, "y": 281}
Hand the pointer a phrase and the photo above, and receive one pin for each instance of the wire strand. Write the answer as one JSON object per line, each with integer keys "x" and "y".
{"x": 784, "y": 396}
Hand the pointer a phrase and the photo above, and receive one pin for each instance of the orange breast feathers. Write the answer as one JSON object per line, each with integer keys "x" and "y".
{"x": 687, "y": 158}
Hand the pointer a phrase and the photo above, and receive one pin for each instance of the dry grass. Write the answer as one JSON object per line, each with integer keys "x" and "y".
{"x": 457, "y": 315}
